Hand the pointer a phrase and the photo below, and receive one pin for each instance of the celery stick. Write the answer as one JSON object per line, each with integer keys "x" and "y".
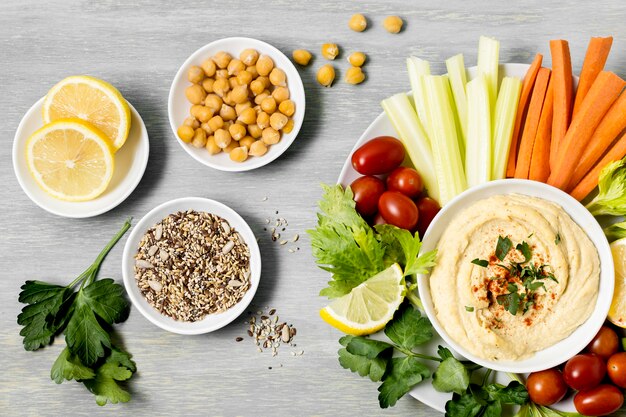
{"x": 503, "y": 121}
{"x": 488, "y": 55}
{"x": 417, "y": 69}
{"x": 458, "y": 79}
{"x": 404, "y": 119}
{"x": 447, "y": 160}
{"x": 478, "y": 156}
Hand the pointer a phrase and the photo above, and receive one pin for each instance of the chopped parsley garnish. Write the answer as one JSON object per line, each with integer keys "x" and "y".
{"x": 557, "y": 239}
{"x": 481, "y": 262}
{"x": 503, "y": 247}
{"x": 469, "y": 309}
{"x": 524, "y": 248}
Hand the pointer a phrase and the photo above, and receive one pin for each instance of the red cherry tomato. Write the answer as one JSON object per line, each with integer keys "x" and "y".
{"x": 367, "y": 190}
{"x": 378, "y": 219}
{"x": 406, "y": 180}
{"x": 584, "y": 371}
{"x": 605, "y": 344}
{"x": 380, "y": 155}
{"x": 428, "y": 209}
{"x": 599, "y": 401}
{"x": 546, "y": 387}
{"x": 616, "y": 367}
{"x": 398, "y": 209}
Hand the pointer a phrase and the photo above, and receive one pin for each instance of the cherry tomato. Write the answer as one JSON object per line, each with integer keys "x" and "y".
{"x": 584, "y": 371}
{"x": 378, "y": 219}
{"x": 398, "y": 209}
{"x": 367, "y": 190}
{"x": 546, "y": 387}
{"x": 605, "y": 344}
{"x": 428, "y": 209}
{"x": 599, "y": 401}
{"x": 378, "y": 156}
{"x": 616, "y": 367}
{"x": 406, "y": 180}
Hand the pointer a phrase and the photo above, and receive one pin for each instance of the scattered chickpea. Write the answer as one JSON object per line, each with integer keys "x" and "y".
{"x": 247, "y": 142}
{"x": 258, "y": 148}
{"x": 213, "y": 101}
{"x": 278, "y": 77}
{"x": 270, "y": 136}
{"x": 264, "y": 65}
{"x": 192, "y": 121}
{"x": 289, "y": 126}
{"x": 249, "y": 56}
{"x": 326, "y": 75}
{"x": 227, "y": 112}
{"x": 255, "y": 131}
{"x": 330, "y": 51}
{"x": 287, "y": 107}
{"x": 301, "y": 57}
{"x": 195, "y": 74}
{"x": 393, "y": 24}
{"x": 221, "y": 87}
{"x": 280, "y": 94}
{"x": 248, "y": 116}
{"x": 355, "y": 75}
{"x": 209, "y": 67}
{"x": 237, "y": 131}
{"x": 199, "y": 138}
{"x": 263, "y": 120}
{"x": 357, "y": 22}
{"x": 232, "y": 145}
{"x": 222, "y": 59}
{"x": 239, "y": 154}
{"x": 268, "y": 105}
{"x": 278, "y": 120}
{"x": 222, "y": 138}
{"x": 211, "y": 146}
{"x": 215, "y": 123}
{"x": 185, "y": 133}
{"x": 207, "y": 84}
{"x": 357, "y": 59}
{"x": 195, "y": 94}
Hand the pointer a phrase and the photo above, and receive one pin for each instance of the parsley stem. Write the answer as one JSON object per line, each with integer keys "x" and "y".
{"x": 414, "y": 299}
{"x": 515, "y": 377}
{"x": 486, "y": 376}
{"x": 418, "y": 355}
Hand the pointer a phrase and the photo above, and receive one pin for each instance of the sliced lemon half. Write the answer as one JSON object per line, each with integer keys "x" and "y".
{"x": 369, "y": 306}
{"x": 93, "y": 100}
{"x": 70, "y": 160}
{"x": 617, "y": 313}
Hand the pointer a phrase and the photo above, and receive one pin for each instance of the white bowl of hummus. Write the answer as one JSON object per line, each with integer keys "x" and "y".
{"x": 523, "y": 278}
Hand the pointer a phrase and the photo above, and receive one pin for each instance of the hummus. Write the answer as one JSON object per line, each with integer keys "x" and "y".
{"x": 472, "y": 299}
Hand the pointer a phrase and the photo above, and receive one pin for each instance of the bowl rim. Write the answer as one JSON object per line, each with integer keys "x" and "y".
{"x": 210, "y": 322}
{"x": 576, "y": 341}
{"x": 295, "y": 84}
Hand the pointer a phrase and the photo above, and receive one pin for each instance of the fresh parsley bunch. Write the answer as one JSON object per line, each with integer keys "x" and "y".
{"x": 86, "y": 317}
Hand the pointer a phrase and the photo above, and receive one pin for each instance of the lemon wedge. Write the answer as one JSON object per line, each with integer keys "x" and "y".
{"x": 369, "y": 306}
{"x": 617, "y": 313}
{"x": 70, "y": 160}
{"x": 92, "y": 100}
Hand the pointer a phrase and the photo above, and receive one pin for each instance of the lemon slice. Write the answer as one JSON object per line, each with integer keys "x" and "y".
{"x": 617, "y": 313}
{"x": 70, "y": 159}
{"x": 370, "y": 305}
{"x": 92, "y": 100}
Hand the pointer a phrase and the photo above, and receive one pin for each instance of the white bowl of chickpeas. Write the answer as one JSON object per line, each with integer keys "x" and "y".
{"x": 236, "y": 104}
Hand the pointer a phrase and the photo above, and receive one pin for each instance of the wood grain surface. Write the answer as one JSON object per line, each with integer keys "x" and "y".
{"x": 138, "y": 46}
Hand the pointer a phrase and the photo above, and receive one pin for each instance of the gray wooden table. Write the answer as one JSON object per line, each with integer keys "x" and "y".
{"x": 138, "y": 46}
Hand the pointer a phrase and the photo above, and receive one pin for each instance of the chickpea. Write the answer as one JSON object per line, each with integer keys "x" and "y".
{"x": 265, "y": 80}
{"x": 192, "y": 121}
{"x": 209, "y": 67}
{"x": 287, "y": 107}
{"x": 249, "y": 56}
{"x": 259, "y": 98}
{"x": 355, "y": 75}
{"x": 227, "y": 112}
{"x": 357, "y": 59}
{"x": 239, "y": 108}
{"x": 357, "y": 22}
{"x": 252, "y": 70}
{"x": 195, "y": 94}
{"x": 278, "y": 120}
{"x": 270, "y": 136}
{"x": 232, "y": 145}
{"x": 221, "y": 73}
{"x": 239, "y": 154}
{"x": 257, "y": 87}
{"x": 258, "y": 148}
{"x": 199, "y": 138}
{"x": 215, "y": 123}
{"x": 325, "y": 75}
{"x": 278, "y": 77}
{"x": 301, "y": 57}
{"x": 207, "y": 84}
{"x": 330, "y": 51}
{"x": 227, "y": 99}
{"x": 186, "y": 133}
{"x": 221, "y": 87}
{"x": 268, "y": 105}
{"x": 205, "y": 126}
{"x": 214, "y": 102}
{"x": 195, "y": 74}
{"x": 202, "y": 113}
{"x": 233, "y": 82}
{"x": 280, "y": 94}
{"x": 227, "y": 124}
{"x": 255, "y": 131}
{"x": 393, "y": 24}
{"x": 264, "y": 65}
{"x": 244, "y": 77}
{"x": 222, "y": 59}
{"x": 247, "y": 141}
{"x": 211, "y": 146}
{"x": 239, "y": 94}
{"x": 257, "y": 109}
{"x": 222, "y": 138}
{"x": 248, "y": 116}
{"x": 237, "y": 131}
{"x": 288, "y": 127}
{"x": 235, "y": 66}
{"x": 263, "y": 120}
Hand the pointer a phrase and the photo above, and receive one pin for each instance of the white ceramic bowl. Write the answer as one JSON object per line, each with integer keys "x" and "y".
{"x": 130, "y": 164}
{"x": 212, "y": 321}
{"x": 178, "y": 106}
{"x": 567, "y": 347}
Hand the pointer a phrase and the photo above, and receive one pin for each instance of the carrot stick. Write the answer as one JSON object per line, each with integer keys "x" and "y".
{"x": 602, "y": 94}
{"x": 522, "y": 167}
{"x": 609, "y": 128}
{"x": 590, "y": 181}
{"x": 540, "y": 160}
{"x": 563, "y": 95}
{"x": 527, "y": 88}
{"x": 595, "y": 58}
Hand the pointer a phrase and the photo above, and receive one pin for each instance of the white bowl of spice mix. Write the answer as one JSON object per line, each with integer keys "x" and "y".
{"x": 236, "y": 104}
{"x": 191, "y": 265}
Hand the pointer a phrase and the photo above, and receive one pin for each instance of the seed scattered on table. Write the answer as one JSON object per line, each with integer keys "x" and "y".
{"x": 268, "y": 332}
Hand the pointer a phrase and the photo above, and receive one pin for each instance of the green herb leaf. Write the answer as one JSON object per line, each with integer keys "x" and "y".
{"x": 370, "y": 348}
{"x": 408, "y": 328}
{"x": 481, "y": 262}
{"x": 106, "y": 299}
{"x": 543, "y": 411}
{"x": 510, "y": 302}
{"x": 469, "y": 309}
{"x": 403, "y": 248}
{"x": 611, "y": 198}
{"x": 444, "y": 353}
{"x": 464, "y": 405}
{"x": 557, "y": 239}
{"x": 615, "y": 231}
{"x": 451, "y": 376}
{"x": 84, "y": 336}
{"x": 514, "y": 393}
{"x": 524, "y": 248}
{"x": 117, "y": 367}
{"x": 68, "y": 367}
{"x": 404, "y": 374}
{"x": 503, "y": 247}
{"x": 374, "y": 368}
{"x": 493, "y": 409}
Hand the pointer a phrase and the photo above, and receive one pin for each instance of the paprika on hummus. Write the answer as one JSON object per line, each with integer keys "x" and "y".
{"x": 514, "y": 275}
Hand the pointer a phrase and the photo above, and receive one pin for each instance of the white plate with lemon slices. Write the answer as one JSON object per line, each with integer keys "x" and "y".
{"x": 109, "y": 169}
